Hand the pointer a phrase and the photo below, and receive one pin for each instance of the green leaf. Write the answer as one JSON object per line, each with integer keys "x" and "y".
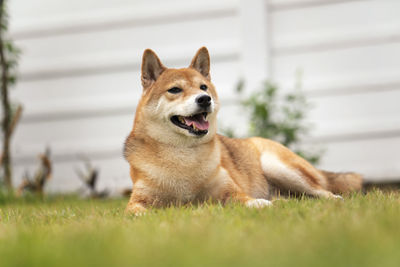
{"x": 278, "y": 117}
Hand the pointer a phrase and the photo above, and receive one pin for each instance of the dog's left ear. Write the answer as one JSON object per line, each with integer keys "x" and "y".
{"x": 201, "y": 62}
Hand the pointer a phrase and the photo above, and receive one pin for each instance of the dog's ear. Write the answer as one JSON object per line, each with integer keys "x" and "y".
{"x": 151, "y": 68}
{"x": 201, "y": 62}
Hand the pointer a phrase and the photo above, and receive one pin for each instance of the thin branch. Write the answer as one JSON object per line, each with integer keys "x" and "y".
{"x": 6, "y": 158}
{"x": 15, "y": 119}
{"x": 37, "y": 183}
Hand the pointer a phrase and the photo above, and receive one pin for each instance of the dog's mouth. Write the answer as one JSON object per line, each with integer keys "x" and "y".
{"x": 196, "y": 124}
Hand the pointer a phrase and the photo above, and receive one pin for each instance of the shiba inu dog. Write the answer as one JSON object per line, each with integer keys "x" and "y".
{"x": 176, "y": 156}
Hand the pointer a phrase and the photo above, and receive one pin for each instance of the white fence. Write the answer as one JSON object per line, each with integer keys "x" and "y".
{"x": 79, "y": 73}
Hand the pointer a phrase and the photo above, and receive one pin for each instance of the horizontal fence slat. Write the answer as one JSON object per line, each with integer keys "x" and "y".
{"x": 355, "y": 114}
{"x": 376, "y": 159}
{"x": 284, "y": 5}
{"x": 318, "y": 28}
{"x": 77, "y": 18}
{"x": 320, "y": 70}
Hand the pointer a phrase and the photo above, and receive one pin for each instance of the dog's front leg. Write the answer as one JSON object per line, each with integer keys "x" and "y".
{"x": 140, "y": 199}
{"x": 135, "y": 206}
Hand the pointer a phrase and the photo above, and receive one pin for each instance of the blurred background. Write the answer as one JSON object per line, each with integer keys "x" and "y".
{"x": 79, "y": 75}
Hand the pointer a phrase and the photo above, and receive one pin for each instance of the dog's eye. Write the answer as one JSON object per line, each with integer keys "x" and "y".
{"x": 175, "y": 90}
{"x": 203, "y": 87}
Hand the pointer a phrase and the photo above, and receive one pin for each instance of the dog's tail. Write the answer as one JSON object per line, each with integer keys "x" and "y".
{"x": 343, "y": 182}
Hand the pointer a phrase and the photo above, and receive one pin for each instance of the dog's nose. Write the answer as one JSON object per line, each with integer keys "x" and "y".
{"x": 203, "y": 101}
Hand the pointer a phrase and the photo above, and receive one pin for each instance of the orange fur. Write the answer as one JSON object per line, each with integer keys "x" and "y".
{"x": 171, "y": 166}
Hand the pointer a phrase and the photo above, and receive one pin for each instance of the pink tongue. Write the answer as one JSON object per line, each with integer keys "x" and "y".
{"x": 198, "y": 121}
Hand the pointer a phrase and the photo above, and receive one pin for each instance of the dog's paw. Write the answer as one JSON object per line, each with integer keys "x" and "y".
{"x": 258, "y": 203}
{"x": 330, "y": 195}
{"x": 136, "y": 209}
{"x": 327, "y": 194}
{"x": 337, "y": 197}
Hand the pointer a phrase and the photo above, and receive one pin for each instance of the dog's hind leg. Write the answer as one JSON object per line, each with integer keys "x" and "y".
{"x": 289, "y": 172}
{"x": 294, "y": 176}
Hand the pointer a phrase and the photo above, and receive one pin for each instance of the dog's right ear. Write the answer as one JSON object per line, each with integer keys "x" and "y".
{"x": 151, "y": 68}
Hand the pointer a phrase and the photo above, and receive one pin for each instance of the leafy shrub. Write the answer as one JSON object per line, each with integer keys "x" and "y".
{"x": 280, "y": 117}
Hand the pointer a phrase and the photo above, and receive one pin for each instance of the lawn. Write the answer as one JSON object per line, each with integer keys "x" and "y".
{"x": 362, "y": 230}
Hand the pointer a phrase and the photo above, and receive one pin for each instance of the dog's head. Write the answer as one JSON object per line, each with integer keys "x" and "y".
{"x": 178, "y": 105}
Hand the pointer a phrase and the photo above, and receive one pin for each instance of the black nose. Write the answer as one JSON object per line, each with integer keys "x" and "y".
{"x": 203, "y": 101}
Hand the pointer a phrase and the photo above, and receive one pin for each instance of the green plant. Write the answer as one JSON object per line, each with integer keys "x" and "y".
{"x": 279, "y": 117}
{"x": 9, "y": 54}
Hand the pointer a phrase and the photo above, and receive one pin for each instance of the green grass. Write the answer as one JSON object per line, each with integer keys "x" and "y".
{"x": 363, "y": 230}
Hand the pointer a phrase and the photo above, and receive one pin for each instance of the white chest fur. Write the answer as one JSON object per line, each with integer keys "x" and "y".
{"x": 179, "y": 174}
